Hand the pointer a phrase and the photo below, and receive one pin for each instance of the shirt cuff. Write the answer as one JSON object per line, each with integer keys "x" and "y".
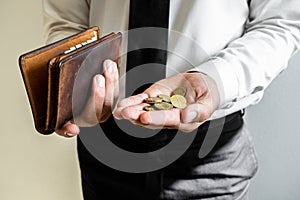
{"x": 225, "y": 77}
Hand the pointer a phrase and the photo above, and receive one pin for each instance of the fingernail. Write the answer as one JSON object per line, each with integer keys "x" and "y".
{"x": 68, "y": 134}
{"x": 110, "y": 66}
{"x": 100, "y": 80}
{"x": 191, "y": 116}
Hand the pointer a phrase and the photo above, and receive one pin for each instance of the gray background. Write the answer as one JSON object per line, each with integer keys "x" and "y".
{"x": 274, "y": 123}
{"x": 38, "y": 167}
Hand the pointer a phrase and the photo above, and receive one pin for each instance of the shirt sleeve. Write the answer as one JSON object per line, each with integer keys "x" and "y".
{"x": 248, "y": 64}
{"x": 63, "y": 18}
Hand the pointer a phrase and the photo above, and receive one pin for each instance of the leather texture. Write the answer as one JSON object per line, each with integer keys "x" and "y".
{"x": 49, "y": 76}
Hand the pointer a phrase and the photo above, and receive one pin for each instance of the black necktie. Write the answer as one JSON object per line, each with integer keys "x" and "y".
{"x": 146, "y": 45}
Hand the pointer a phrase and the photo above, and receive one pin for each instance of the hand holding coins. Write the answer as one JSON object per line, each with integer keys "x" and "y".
{"x": 165, "y": 102}
{"x": 185, "y": 108}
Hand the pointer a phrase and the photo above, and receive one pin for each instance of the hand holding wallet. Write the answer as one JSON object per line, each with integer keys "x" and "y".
{"x": 58, "y": 77}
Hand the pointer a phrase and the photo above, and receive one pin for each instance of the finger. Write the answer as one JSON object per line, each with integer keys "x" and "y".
{"x": 92, "y": 113}
{"x": 161, "y": 118}
{"x": 68, "y": 130}
{"x": 130, "y": 101}
{"x": 187, "y": 128}
{"x": 148, "y": 126}
{"x": 133, "y": 112}
{"x": 197, "y": 112}
{"x": 110, "y": 72}
{"x": 116, "y": 86}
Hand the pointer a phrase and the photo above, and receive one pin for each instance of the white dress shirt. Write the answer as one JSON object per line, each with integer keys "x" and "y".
{"x": 242, "y": 44}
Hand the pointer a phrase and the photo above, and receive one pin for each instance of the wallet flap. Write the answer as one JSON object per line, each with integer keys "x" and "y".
{"x": 34, "y": 68}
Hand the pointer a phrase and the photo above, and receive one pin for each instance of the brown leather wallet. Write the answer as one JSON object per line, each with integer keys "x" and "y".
{"x": 58, "y": 76}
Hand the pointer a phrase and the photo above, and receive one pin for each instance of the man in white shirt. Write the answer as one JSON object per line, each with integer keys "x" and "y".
{"x": 225, "y": 52}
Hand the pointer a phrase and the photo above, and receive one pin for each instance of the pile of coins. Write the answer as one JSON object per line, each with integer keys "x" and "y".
{"x": 165, "y": 102}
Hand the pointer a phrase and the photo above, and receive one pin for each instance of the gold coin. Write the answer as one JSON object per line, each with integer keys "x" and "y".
{"x": 178, "y": 101}
{"x": 153, "y": 100}
{"x": 149, "y": 108}
{"x": 164, "y": 97}
{"x": 180, "y": 91}
{"x": 163, "y": 106}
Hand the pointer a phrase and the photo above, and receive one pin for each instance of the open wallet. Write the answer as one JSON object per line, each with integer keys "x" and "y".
{"x": 58, "y": 77}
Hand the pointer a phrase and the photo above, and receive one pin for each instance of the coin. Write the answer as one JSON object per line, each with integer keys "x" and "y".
{"x": 178, "y": 101}
{"x": 165, "y": 102}
{"x": 153, "y": 100}
{"x": 163, "y": 106}
{"x": 149, "y": 108}
{"x": 164, "y": 97}
{"x": 180, "y": 91}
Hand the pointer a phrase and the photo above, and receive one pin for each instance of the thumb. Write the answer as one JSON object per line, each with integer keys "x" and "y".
{"x": 68, "y": 130}
{"x": 196, "y": 112}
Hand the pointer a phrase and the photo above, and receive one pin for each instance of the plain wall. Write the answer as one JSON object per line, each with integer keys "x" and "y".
{"x": 45, "y": 167}
{"x": 274, "y": 124}
{"x": 32, "y": 166}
